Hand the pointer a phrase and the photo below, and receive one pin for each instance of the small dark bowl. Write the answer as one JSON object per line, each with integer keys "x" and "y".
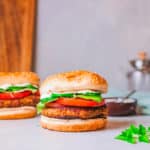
{"x": 123, "y": 108}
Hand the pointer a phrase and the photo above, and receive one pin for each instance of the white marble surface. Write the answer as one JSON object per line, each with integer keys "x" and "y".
{"x": 28, "y": 135}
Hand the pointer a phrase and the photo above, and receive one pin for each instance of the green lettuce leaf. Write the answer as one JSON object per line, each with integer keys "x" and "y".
{"x": 40, "y": 106}
{"x": 2, "y": 90}
{"x": 18, "y": 88}
{"x": 96, "y": 98}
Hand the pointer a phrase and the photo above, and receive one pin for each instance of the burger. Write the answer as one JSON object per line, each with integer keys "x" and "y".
{"x": 18, "y": 95}
{"x": 72, "y": 102}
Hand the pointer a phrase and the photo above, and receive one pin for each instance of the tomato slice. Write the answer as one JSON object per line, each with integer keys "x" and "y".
{"x": 54, "y": 104}
{"x": 37, "y": 93}
{"x": 16, "y": 95}
{"x": 79, "y": 102}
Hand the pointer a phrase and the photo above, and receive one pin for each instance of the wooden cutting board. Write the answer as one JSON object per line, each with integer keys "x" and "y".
{"x": 17, "y": 19}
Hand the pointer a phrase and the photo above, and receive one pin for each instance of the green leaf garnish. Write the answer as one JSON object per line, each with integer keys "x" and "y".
{"x": 135, "y": 134}
{"x": 39, "y": 107}
{"x": 95, "y": 96}
{"x": 2, "y": 90}
{"x": 142, "y": 130}
{"x": 18, "y": 88}
{"x": 144, "y": 138}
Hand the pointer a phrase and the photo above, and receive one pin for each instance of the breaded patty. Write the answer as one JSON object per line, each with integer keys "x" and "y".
{"x": 67, "y": 112}
{"x": 30, "y": 100}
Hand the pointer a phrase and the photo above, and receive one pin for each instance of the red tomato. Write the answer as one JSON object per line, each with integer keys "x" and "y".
{"x": 37, "y": 93}
{"x": 54, "y": 104}
{"x": 79, "y": 102}
{"x": 16, "y": 95}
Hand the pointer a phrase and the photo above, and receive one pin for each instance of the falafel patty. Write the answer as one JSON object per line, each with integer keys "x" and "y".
{"x": 30, "y": 100}
{"x": 68, "y": 112}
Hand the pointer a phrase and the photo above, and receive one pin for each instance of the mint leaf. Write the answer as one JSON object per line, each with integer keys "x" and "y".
{"x": 134, "y": 129}
{"x": 144, "y": 138}
{"x": 142, "y": 129}
{"x": 135, "y": 134}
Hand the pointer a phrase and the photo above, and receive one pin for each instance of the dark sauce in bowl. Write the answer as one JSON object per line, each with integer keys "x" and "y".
{"x": 118, "y": 107}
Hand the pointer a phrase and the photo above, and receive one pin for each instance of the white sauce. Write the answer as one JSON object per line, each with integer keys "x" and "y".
{"x": 14, "y": 110}
{"x": 44, "y": 95}
{"x": 120, "y": 100}
{"x": 65, "y": 121}
{"x": 5, "y": 86}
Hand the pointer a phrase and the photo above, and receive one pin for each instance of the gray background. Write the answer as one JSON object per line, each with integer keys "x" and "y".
{"x": 98, "y": 35}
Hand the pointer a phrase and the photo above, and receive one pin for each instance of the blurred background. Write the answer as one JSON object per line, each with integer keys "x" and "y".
{"x": 50, "y": 36}
{"x": 97, "y": 35}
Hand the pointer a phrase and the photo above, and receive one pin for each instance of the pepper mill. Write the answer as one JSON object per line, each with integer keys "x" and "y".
{"x": 139, "y": 75}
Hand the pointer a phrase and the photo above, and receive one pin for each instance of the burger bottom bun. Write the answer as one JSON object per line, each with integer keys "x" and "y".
{"x": 72, "y": 125}
{"x": 17, "y": 112}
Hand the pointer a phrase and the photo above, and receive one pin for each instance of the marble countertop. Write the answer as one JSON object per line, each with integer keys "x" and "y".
{"x": 28, "y": 135}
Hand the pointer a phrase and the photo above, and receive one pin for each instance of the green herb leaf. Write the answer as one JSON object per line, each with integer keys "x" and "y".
{"x": 134, "y": 134}
{"x": 144, "y": 138}
{"x": 142, "y": 129}
{"x": 134, "y": 129}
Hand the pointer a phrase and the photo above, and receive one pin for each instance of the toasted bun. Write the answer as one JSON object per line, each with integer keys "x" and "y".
{"x": 72, "y": 125}
{"x": 18, "y": 78}
{"x": 17, "y": 112}
{"x": 74, "y": 81}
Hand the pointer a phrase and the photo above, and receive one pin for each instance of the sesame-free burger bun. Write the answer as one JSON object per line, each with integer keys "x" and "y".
{"x": 17, "y": 112}
{"x": 74, "y": 81}
{"x": 73, "y": 125}
{"x": 18, "y": 78}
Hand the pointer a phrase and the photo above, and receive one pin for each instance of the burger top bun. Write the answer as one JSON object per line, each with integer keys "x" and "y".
{"x": 74, "y": 81}
{"x": 18, "y": 78}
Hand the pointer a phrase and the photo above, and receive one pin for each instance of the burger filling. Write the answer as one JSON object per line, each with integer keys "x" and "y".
{"x": 18, "y": 88}
{"x": 70, "y": 112}
{"x": 71, "y": 105}
{"x": 18, "y": 95}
